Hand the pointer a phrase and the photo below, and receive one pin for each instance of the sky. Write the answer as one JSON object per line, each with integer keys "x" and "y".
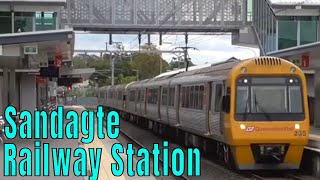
{"x": 211, "y": 48}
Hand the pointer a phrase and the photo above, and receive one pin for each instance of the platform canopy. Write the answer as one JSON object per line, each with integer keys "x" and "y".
{"x": 34, "y": 48}
{"x": 294, "y": 4}
{"x": 32, "y": 5}
{"x": 306, "y": 56}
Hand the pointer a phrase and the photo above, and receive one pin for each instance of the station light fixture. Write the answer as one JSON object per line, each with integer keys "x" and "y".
{"x": 242, "y": 126}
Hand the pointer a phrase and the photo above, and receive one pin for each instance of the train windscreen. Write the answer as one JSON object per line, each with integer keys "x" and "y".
{"x": 269, "y": 98}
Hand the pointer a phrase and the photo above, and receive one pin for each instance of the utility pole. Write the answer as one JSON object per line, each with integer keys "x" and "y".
{"x": 112, "y": 69}
{"x": 185, "y": 51}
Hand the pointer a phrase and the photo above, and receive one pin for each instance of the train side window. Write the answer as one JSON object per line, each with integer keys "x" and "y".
{"x": 201, "y": 94}
{"x": 164, "y": 96}
{"x": 183, "y": 95}
{"x": 171, "y": 96}
{"x": 132, "y": 95}
{"x": 192, "y": 94}
{"x": 196, "y": 97}
{"x": 102, "y": 95}
{"x": 187, "y": 97}
{"x": 218, "y": 97}
{"x": 138, "y": 99}
{"x": 152, "y": 96}
{"x": 143, "y": 95}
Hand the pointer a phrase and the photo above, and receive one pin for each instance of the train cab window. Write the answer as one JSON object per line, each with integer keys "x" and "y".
{"x": 218, "y": 98}
{"x": 171, "y": 97}
{"x": 132, "y": 95}
{"x": 164, "y": 96}
{"x": 269, "y": 98}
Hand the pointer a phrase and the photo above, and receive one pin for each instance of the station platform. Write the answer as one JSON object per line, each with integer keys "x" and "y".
{"x": 106, "y": 144}
{"x": 314, "y": 139}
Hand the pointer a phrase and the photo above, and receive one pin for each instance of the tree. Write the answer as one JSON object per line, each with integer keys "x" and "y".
{"x": 149, "y": 64}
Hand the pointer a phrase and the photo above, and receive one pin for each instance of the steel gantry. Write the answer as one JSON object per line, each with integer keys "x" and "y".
{"x": 125, "y": 16}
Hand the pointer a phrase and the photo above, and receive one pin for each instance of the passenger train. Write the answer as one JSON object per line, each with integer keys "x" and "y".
{"x": 253, "y": 113}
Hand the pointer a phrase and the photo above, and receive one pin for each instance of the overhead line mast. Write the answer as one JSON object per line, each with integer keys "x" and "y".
{"x": 185, "y": 50}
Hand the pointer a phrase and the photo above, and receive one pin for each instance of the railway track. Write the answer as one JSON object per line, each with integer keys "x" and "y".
{"x": 286, "y": 176}
{"x": 138, "y": 144}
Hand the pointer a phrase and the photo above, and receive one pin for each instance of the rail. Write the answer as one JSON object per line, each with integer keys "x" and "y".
{"x": 286, "y": 176}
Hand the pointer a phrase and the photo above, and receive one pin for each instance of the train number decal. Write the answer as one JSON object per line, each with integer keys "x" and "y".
{"x": 300, "y": 133}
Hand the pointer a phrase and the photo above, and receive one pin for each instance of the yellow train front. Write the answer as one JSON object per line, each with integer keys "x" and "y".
{"x": 266, "y": 115}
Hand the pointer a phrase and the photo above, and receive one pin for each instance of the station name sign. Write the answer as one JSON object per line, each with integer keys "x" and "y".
{"x": 30, "y": 49}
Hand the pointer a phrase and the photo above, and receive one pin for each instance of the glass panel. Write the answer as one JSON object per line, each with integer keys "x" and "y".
{"x": 6, "y": 22}
{"x": 295, "y": 99}
{"x": 242, "y": 99}
{"x": 45, "y": 21}
{"x": 23, "y": 24}
{"x": 287, "y": 34}
{"x": 249, "y": 10}
{"x": 218, "y": 97}
{"x": 269, "y": 99}
{"x": 308, "y": 32}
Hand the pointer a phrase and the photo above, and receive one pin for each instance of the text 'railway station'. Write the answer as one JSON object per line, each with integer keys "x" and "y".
{"x": 257, "y": 113}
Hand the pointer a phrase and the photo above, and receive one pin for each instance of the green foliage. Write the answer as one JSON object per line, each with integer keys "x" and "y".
{"x": 147, "y": 65}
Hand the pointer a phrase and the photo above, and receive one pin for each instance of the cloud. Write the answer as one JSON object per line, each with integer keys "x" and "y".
{"x": 212, "y": 48}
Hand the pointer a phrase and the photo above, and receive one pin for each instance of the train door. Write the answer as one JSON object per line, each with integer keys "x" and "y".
{"x": 208, "y": 96}
{"x": 137, "y": 99}
{"x": 145, "y": 92}
{"x": 217, "y": 115}
{"x": 178, "y": 98}
{"x": 221, "y": 94}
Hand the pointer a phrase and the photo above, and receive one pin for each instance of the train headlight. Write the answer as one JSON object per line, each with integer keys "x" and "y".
{"x": 293, "y": 70}
{"x": 243, "y": 70}
{"x": 242, "y": 126}
{"x": 297, "y": 126}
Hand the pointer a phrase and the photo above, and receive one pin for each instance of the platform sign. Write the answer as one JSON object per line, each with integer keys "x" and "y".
{"x": 305, "y": 61}
{"x": 30, "y": 49}
{"x": 58, "y": 60}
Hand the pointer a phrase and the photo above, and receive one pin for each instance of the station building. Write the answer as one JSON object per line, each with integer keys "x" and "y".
{"x": 35, "y": 52}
